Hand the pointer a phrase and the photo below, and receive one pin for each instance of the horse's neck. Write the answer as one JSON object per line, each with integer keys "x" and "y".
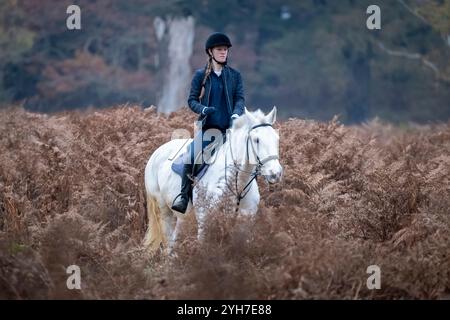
{"x": 244, "y": 169}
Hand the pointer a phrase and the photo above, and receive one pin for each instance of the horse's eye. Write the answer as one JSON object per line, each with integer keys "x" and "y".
{"x": 257, "y": 140}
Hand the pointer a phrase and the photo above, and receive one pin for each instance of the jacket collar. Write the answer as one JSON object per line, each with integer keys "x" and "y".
{"x": 225, "y": 72}
{"x": 225, "y": 68}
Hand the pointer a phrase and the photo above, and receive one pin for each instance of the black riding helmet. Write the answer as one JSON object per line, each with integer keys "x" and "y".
{"x": 217, "y": 39}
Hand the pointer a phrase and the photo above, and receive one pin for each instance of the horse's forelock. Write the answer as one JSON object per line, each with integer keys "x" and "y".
{"x": 259, "y": 115}
{"x": 246, "y": 121}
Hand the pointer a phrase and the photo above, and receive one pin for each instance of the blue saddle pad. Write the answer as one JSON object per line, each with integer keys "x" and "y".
{"x": 178, "y": 164}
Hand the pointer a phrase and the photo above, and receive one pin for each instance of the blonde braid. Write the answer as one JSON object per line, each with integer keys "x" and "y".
{"x": 207, "y": 73}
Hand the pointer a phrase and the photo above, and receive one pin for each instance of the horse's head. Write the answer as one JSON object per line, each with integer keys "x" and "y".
{"x": 261, "y": 142}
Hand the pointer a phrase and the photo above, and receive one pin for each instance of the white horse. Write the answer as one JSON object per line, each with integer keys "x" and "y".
{"x": 251, "y": 149}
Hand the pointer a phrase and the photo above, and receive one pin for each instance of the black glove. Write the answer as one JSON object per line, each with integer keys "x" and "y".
{"x": 208, "y": 110}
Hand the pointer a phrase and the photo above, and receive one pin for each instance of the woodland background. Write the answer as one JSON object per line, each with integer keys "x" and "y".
{"x": 312, "y": 59}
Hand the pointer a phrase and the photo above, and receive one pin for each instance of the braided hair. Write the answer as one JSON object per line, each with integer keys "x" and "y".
{"x": 208, "y": 70}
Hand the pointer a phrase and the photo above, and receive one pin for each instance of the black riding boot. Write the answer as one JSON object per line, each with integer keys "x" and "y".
{"x": 181, "y": 201}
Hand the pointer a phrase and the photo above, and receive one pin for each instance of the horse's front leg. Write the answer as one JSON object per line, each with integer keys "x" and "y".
{"x": 249, "y": 205}
{"x": 203, "y": 207}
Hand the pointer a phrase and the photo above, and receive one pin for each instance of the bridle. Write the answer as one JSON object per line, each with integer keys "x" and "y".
{"x": 266, "y": 159}
{"x": 254, "y": 174}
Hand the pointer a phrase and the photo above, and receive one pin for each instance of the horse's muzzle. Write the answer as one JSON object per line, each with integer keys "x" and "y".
{"x": 273, "y": 178}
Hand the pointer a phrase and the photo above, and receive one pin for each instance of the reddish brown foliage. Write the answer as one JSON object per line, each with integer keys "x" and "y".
{"x": 72, "y": 192}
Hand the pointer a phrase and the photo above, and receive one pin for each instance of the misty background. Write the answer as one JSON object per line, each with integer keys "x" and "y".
{"x": 312, "y": 59}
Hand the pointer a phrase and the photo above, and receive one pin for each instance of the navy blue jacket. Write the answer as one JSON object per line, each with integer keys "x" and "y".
{"x": 221, "y": 118}
{"x": 234, "y": 97}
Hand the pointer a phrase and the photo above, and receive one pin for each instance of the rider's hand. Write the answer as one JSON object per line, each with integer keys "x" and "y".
{"x": 234, "y": 116}
{"x": 208, "y": 110}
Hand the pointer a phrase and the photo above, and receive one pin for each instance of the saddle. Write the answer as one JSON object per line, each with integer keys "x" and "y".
{"x": 200, "y": 167}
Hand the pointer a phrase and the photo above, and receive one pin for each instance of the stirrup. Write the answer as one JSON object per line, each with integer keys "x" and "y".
{"x": 180, "y": 194}
{"x": 178, "y": 209}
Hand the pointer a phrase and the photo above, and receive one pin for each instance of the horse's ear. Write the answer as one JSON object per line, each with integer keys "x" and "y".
{"x": 250, "y": 115}
{"x": 272, "y": 116}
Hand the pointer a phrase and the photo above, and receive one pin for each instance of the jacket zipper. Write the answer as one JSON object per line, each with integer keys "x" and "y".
{"x": 209, "y": 91}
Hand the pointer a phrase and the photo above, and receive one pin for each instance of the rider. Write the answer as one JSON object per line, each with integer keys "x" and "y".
{"x": 217, "y": 95}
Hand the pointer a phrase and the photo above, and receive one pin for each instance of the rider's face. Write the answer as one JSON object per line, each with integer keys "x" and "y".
{"x": 220, "y": 53}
